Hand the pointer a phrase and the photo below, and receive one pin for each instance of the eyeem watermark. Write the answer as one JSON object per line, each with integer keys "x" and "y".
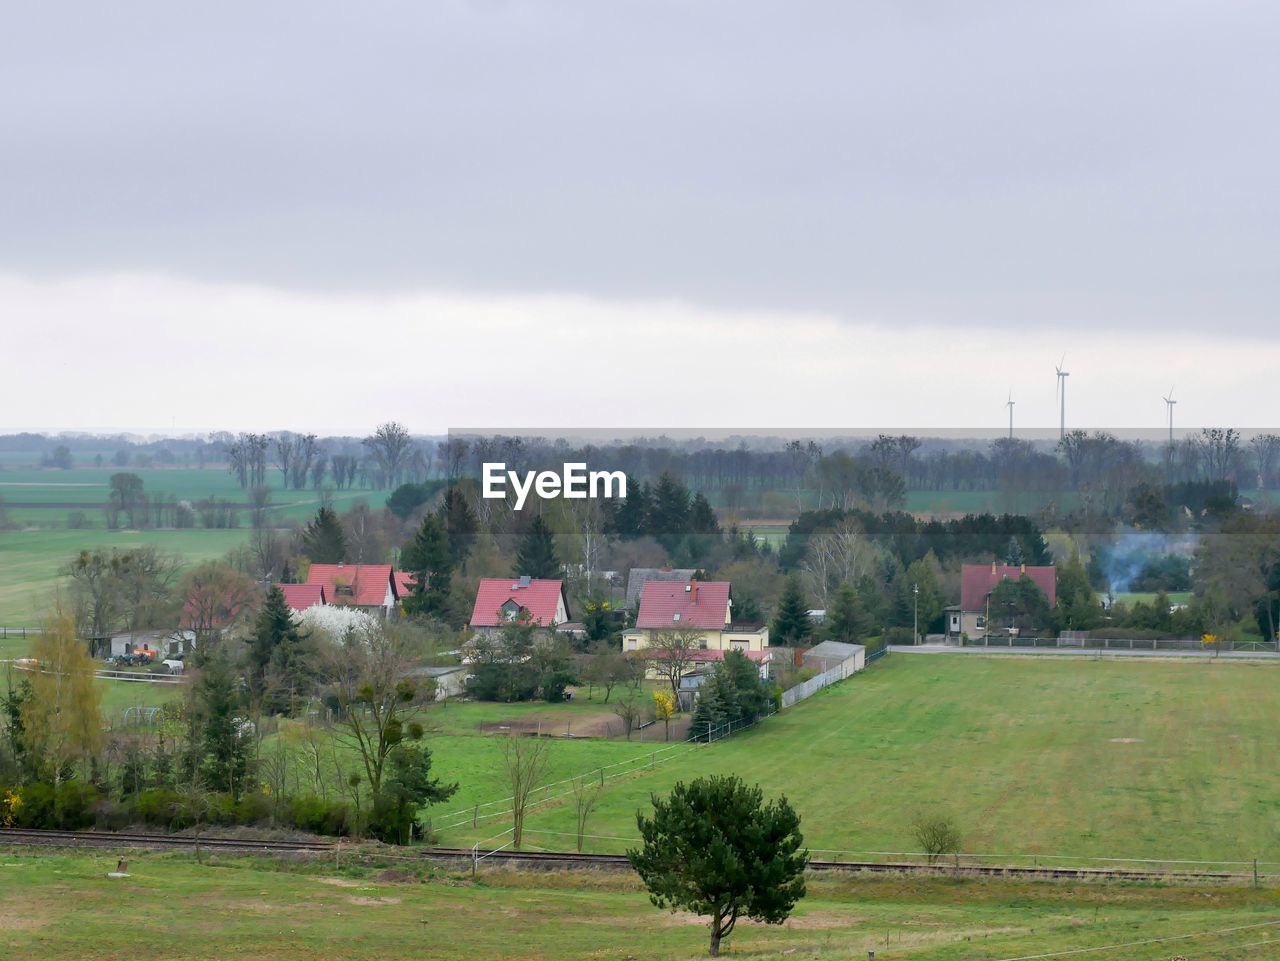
{"x": 574, "y": 482}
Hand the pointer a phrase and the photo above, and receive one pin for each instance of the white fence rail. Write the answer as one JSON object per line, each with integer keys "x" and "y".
{"x": 793, "y": 695}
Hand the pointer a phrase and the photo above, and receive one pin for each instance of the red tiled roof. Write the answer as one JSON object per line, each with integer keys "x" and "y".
{"x": 368, "y": 582}
{"x": 403, "y": 583}
{"x": 301, "y": 596}
{"x": 705, "y": 605}
{"x": 538, "y": 597}
{"x": 979, "y": 580}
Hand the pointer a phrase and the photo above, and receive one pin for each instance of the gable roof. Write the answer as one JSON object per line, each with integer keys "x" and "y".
{"x": 639, "y": 576}
{"x": 671, "y": 605}
{"x": 979, "y": 580}
{"x": 368, "y": 582}
{"x": 403, "y": 583}
{"x": 301, "y": 596}
{"x": 539, "y": 597}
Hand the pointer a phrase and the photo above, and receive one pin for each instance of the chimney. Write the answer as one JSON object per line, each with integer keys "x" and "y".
{"x": 693, "y": 592}
{"x": 1023, "y": 569}
{"x": 993, "y": 567}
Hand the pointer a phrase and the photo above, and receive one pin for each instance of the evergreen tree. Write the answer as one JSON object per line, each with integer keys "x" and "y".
{"x": 323, "y": 539}
{"x": 791, "y": 624}
{"x": 219, "y": 739}
{"x": 750, "y": 692}
{"x": 277, "y": 657}
{"x": 708, "y": 716}
{"x": 536, "y": 555}
{"x": 669, "y": 515}
{"x": 1078, "y": 608}
{"x": 632, "y": 517}
{"x": 429, "y": 558}
{"x": 928, "y": 601}
{"x": 408, "y": 787}
{"x": 847, "y": 620}
{"x": 702, "y": 519}
{"x": 716, "y": 848}
{"x": 460, "y": 523}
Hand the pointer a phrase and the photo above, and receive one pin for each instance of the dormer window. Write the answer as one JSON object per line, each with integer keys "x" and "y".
{"x": 344, "y": 590}
{"x": 509, "y": 611}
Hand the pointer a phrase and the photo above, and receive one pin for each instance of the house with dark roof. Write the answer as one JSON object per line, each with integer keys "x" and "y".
{"x": 369, "y": 587}
{"x": 505, "y": 600}
{"x": 637, "y": 577}
{"x": 704, "y": 608}
{"x": 972, "y": 617}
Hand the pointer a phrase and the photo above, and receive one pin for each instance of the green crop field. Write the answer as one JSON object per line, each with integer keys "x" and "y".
{"x": 44, "y": 497}
{"x": 29, "y": 561}
{"x": 64, "y": 907}
{"x": 1081, "y": 757}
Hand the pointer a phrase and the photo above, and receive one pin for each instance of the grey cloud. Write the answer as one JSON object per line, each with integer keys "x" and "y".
{"x": 1000, "y": 163}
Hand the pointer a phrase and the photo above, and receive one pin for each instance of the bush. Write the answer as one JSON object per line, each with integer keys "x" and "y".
{"x": 159, "y": 806}
{"x": 897, "y": 635}
{"x": 37, "y": 807}
{"x": 310, "y": 813}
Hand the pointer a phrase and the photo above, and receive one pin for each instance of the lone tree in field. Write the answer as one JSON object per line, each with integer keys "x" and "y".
{"x": 936, "y": 835}
{"x": 716, "y": 848}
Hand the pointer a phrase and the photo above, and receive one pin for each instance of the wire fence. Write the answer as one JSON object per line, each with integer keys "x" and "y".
{"x": 1122, "y": 644}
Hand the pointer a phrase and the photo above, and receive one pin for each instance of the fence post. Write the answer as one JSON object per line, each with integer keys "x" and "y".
{"x": 1255, "y": 872}
{"x": 475, "y": 859}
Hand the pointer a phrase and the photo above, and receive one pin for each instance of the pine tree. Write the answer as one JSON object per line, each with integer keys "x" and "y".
{"x": 702, "y": 519}
{"x": 708, "y": 716}
{"x": 716, "y": 848}
{"x": 536, "y": 555}
{"x": 323, "y": 540}
{"x": 791, "y": 623}
{"x": 460, "y": 524}
{"x": 669, "y": 515}
{"x": 276, "y": 657}
{"x": 429, "y": 559}
{"x": 632, "y": 517}
{"x": 847, "y": 620}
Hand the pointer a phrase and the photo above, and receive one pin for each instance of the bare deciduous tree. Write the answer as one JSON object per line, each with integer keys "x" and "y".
{"x": 672, "y": 653}
{"x": 586, "y": 795}
{"x": 526, "y": 760}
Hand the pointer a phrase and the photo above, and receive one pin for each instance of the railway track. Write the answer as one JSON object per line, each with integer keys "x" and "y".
{"x": 112, "y": 839}
{"x": 566, "y": 859}
{"x": 619, "y": 862}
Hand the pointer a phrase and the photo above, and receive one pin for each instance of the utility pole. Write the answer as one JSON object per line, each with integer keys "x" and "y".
{"x": 915, "y": 616}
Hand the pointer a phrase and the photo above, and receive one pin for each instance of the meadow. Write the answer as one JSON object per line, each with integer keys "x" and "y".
{"x": 63, "y": 907}
{"x": 1101, "y": 758}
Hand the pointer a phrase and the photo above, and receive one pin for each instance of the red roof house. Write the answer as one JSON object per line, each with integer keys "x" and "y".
{"x": 355, "y": 585}
{"x": 301, "y": 596}
{"x": 501, "y": 600}
{"x": 977, "y": 581}
{"x": 670, "y": 605}
{"x": 403, "y": 583}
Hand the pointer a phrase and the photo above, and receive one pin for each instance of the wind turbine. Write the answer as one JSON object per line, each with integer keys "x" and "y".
{"x": 1062, "y": 397}
{"x": 1009, "y": 403}
{"x": 1169, "y": 401}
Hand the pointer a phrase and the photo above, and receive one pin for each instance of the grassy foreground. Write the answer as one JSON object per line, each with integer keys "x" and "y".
{"x": 1082, "y": 757}
{"x": 63, "y": 907}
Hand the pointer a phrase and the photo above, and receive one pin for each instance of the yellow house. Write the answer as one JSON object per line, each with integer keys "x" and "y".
{"x": 700, "y": 607}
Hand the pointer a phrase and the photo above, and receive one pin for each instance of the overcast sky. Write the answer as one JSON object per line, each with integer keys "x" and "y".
{"x": 321, "y": 215}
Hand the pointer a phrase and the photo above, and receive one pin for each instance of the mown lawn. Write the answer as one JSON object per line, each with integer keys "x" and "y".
{"x": 64, "y": 907}
{"x": 1100, "y": 758}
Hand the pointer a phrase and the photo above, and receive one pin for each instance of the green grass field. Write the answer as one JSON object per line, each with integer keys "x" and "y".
{"x": 44, "y": 497}
{"x": 29, "y": 561}
{"x": 63, "y": 907}
{"x": 1097, "y": 758}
